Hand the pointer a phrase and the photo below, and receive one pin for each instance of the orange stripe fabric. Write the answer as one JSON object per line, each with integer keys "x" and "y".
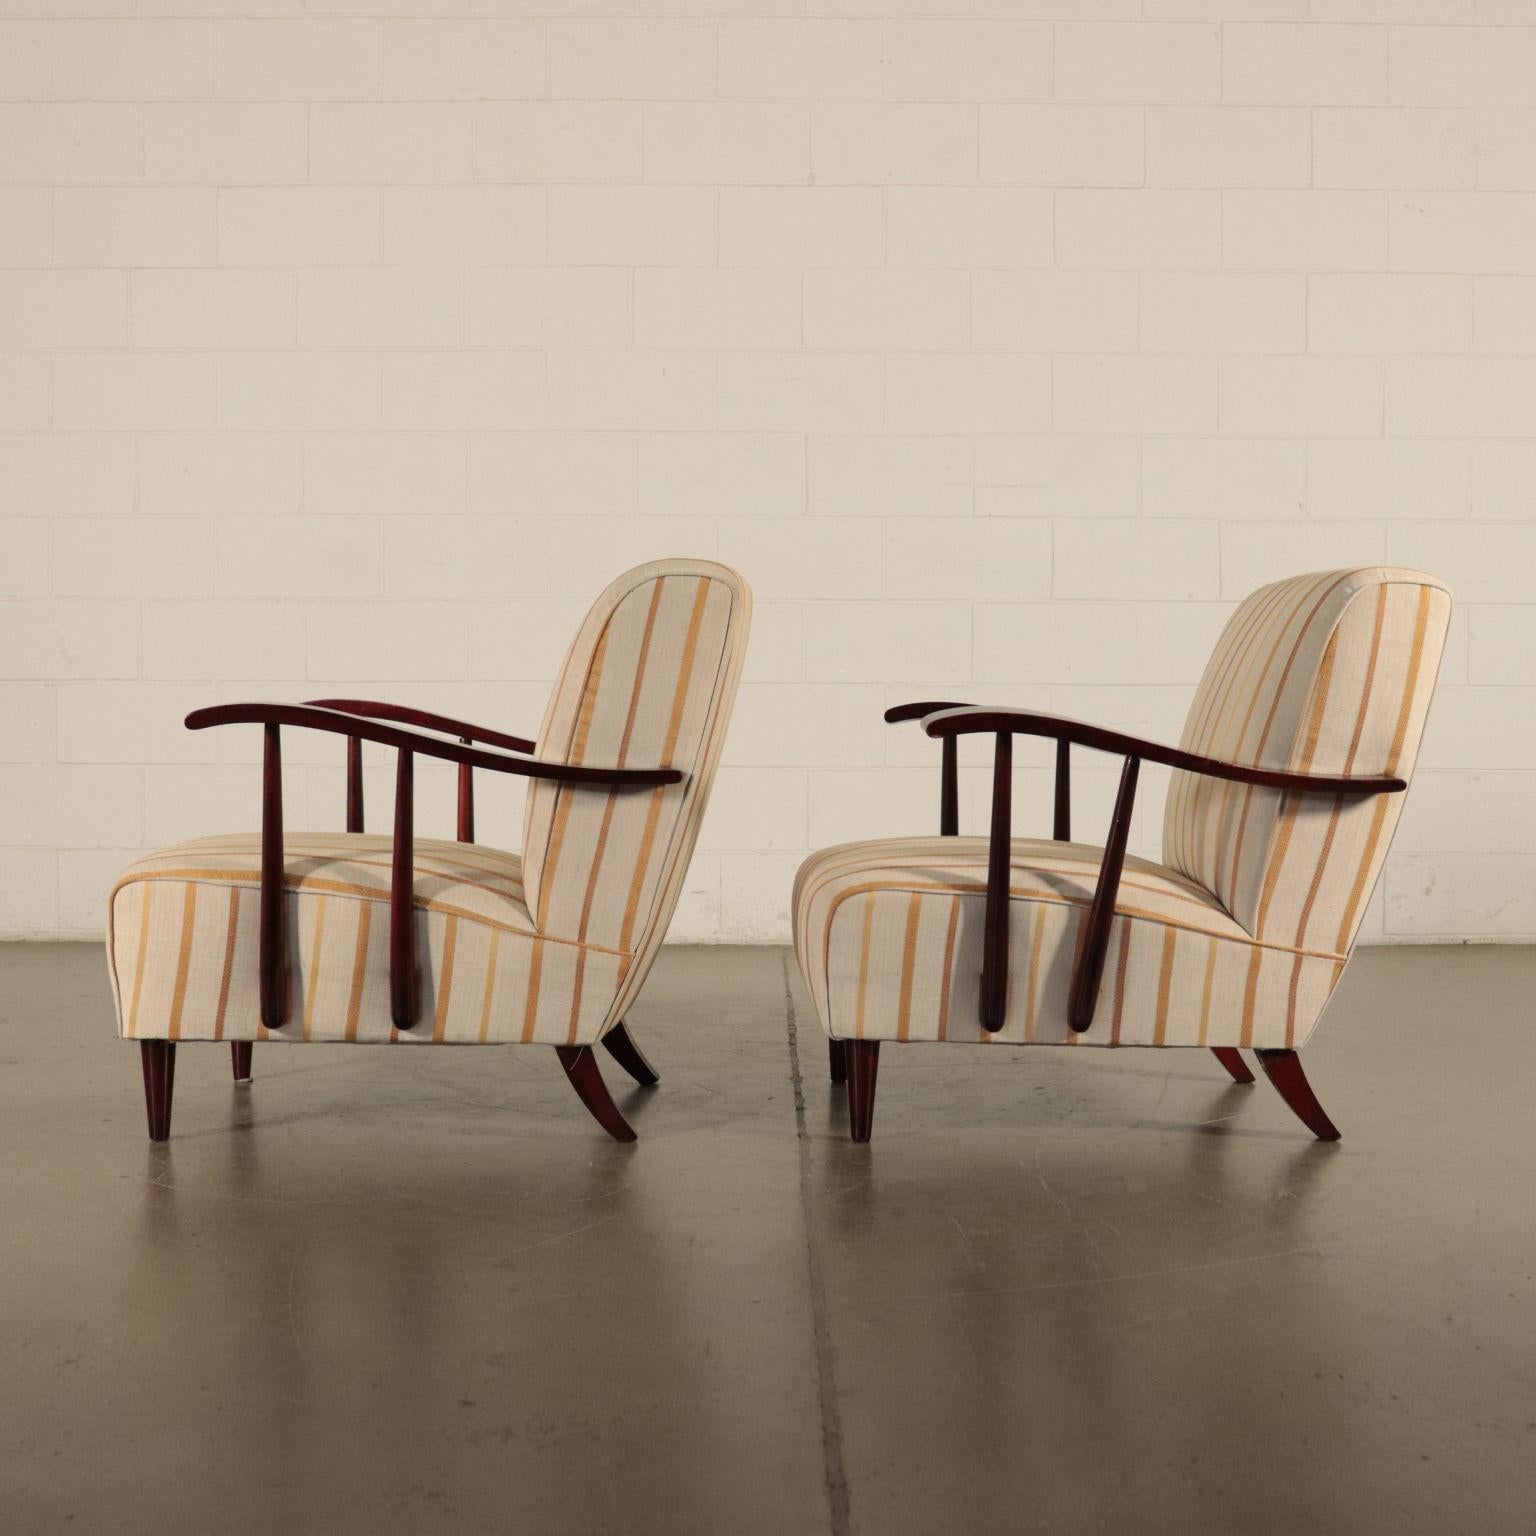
{"x": 947, "y": 968}
{"x": 359, "y": 970}
{"x": 231, "y": 928}
{"x": 869, "y": 917}
{"x": 183, "y": 960}
{"x": 668, "y": 752}
{"x": 908, "y": 965}
{"x": 445, "y": 981}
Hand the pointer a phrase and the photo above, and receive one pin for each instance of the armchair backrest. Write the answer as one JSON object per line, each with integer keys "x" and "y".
{"x": 649, "y": 681}
{"x": 1326, "y": 673}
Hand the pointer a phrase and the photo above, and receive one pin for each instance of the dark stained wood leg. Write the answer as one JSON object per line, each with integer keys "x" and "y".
{"x": 837, "y": 1061}
{"x": 1232, "y": 1059}
{"x": 581, "y": 1067}
{"x": 863, "y": 1057}
{"x": 158, "y": 1058}
{"x": 621, "y": 1046}
{"x": 240, "y": 1057}
{"x": 1283, "y": 1069}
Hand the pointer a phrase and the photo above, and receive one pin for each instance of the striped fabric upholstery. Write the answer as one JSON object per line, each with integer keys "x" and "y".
{"x": 1240, "y": 938}
{"x": 649, "y": 680}
{"x": 548, "y": 948}
{"x": 1329, "y": 673}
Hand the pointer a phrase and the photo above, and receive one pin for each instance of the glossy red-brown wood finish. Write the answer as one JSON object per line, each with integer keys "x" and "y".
{"x": 581, "y": 1068}
{"x": 965, "y": 721}
{"x": 949, "y": 790}
{"x": 240, "y": 1060}
{"x": 921, "y": 709}
{"x": 312, "y": 717}
{"x": 1089, "y": 970}
{"x": 1061, "y": 821}
{"x": 620, "y": 1044}
{"x": 354, "y": 784}
{"x": 376, "y": 710}
{"x": 993, "y": 1003}
{"x": 158, "y": 1058}
{"x": 1232, "y": 1059}
{"x": 273, "y": 942}
{"x": 1283, "y": 1069}
{"x": 863, "y": 1067}
{"x": 402, "y": 910}
{"x": 466, "y": 821}
{"x": 837, "y": 1061}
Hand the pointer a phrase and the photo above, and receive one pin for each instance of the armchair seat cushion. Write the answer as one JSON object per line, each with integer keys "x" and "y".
{"x": 889, "y": 936}
{"x": 184, "y": 924}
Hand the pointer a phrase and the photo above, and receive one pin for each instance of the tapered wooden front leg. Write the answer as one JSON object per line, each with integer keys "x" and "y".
{"x": 620, "y": 1044}
{"x": 837, "y": 1061}
{"x": 1283, "y": 1069}
{"x": 581, "y": 1067}
{"x": 863, "y": 1057}
{"x": 158, "y": 1058}
{"x": 1232, "y": 1059}
{"x": 240, "y": 1059}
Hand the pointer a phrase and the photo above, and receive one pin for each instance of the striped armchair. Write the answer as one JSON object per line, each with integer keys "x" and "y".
{"x": 362, "y": 939}
{"x": 1286, "y": 788}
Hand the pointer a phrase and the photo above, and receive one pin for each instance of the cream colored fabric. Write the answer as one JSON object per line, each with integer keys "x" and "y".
{"x": 888, "y": 935}
{"x": 551, "y": 947}
{"x": 185, "y": 923}
{"x": 1240, "y": 938}
{"x": 1329, "y": 673}
{"x": 649, "y": 681}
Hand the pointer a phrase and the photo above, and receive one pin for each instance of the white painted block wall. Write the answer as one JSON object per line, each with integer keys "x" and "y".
{"x": 1004, "y": 345}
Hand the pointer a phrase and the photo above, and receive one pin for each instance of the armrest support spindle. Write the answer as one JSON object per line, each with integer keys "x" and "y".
{"x": 354, "y": 784}
{"x": 1089, "y": 971}
{"x": 466, "y": 798}
{"x": 994, "y": 942}
{"x": 273, "y": 954}
{"x": 949, "y": 791}
{"x": 402, "y": 915}
{"x": 1061, "y": 826}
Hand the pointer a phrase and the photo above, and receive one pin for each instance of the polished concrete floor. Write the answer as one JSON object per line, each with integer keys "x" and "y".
{"x": 1063, "y": 1291}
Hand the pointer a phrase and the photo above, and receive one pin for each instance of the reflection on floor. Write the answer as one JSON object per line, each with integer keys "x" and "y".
{"x": 1063, "y": 1291}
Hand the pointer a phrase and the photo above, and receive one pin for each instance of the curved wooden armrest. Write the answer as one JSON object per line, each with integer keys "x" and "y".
{"x": 965, "y": 720}
{"x": 313, "y": 717}
{"x": 404, "y": 988}
{"x": 375, "y": 710}
{"x": 918, "y": 711}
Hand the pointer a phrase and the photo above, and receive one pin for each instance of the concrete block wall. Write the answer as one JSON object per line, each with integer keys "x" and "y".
{"x": 1004, "y": 344}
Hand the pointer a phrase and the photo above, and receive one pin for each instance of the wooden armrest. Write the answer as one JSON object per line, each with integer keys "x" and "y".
{"x": 375, "y": 710}
{"x": 922, "y": 708}
{"x": 313, "y": 717}
{"x": 404, "y": 991}
{"x": 966, "y": 720}
{"x": 1004, "y": 724}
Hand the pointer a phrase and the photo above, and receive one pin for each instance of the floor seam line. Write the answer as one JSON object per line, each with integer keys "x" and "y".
{"x": 826, "y": 1386}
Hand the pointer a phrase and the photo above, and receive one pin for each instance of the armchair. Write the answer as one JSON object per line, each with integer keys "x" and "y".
{"x": 357, "y": 938}
{"x": 1286, "y": 788}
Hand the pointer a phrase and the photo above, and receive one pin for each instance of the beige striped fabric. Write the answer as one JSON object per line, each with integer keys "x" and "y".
{"x": 499, "y": 959}
{"x": 649, "y": 681}
{"x": 1329, "y": 673}
{"x": 1240, "y": 938}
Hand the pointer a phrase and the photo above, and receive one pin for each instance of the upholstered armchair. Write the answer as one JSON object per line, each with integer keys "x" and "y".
{"x": 360, "y": 939}
{"x": 1286, "y": 788}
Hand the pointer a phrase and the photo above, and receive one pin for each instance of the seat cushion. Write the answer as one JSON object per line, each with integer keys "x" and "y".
{"x": 184, "y": 925}
{"x": 889, "y": 934}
